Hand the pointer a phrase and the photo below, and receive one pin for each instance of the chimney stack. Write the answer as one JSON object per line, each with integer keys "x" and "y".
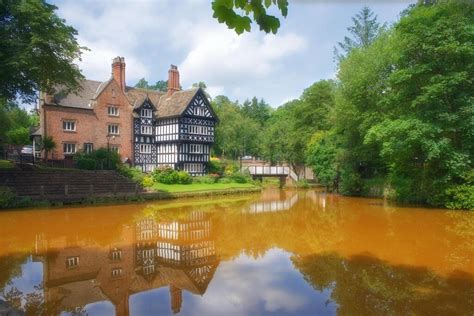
{"x": 173, "y": 80}
{"x": 118, "y": 71}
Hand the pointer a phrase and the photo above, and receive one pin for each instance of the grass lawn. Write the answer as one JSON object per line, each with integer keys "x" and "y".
{"x": 174, "y": 188}
{"x": 5, "y": 164}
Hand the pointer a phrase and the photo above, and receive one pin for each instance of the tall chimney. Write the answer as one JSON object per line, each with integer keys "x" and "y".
{"x": 173, "y": 80}
{"x": 118, "y": 71}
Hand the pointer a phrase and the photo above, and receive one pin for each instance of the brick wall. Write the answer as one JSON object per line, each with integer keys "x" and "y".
{"x": 91, "y": 125}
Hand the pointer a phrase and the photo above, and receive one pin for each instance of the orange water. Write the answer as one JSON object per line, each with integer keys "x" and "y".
{"x": 281, "y": 252}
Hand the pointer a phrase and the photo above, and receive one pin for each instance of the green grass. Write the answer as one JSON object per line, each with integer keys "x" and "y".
{"x": 5, "y": 164}
{"x": 193, "y": 187}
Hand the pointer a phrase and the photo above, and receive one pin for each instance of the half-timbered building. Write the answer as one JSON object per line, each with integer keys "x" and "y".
{"x": 150, "y": 128}
{"x": 175, "y": 129}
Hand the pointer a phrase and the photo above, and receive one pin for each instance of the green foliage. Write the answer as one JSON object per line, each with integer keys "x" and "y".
{"x": 216, "y": 166}
{"x": 235, "y": 14}
{"x": 184, "y": 177}
{"x": 15, "y": 123}
{"x": 364, "y": 31}
{"x": 302, "y": 184}
{"x": 47, "y": 145}
{"x": 207, "y": 179}
{"x": 224, "y": 180}
{"x": 133, "y": 173}
{"x": 166, "y": 175}
{"x": 460, "y": 197}
{"x": 239, "y": 177}
{"x": 7, "y": 197}
{"x": 160, "y": 85}
{"x": 147, "y": 181}
{"x": 99, "y": 159}
{"x": 259, "y": 111}
{"x": 86, "y": 163}
{"x": 322, "y": 157}
{"x": 236, "y": 134}
{"x": 38, "y": 50}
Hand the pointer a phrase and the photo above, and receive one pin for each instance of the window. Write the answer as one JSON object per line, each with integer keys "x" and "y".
{"x": 199, "y": 110}
{"x": 113, "y": 129}
{"x": 69, "y": 148}
{"x": 69, "y": 126}
{"x": 88, "y": 147}
{"x": 147, "y": 130}
{"x": 116, "y": 272}
{"x": 72, "y": 262}
{"x": 195, "y": 148}
{"x": 116, "y": 254}
{"x": 145, "y": 149}
{"x": 148, "y": 269}
{"x": 193, "y": 167}
{"x": 146, "y": 112}
{"x": 113, "y": 111}
{"x": 115, "y": 148}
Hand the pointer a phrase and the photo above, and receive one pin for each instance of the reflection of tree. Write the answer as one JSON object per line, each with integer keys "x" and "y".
{"x": 463, "y": 227}
{"x": 10, "y": 267}
{"x": 33, "y": 303}
{"x": 363, "y": 285}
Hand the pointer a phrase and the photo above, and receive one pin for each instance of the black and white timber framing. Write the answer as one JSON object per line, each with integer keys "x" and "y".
{"x": 182, "y": 141}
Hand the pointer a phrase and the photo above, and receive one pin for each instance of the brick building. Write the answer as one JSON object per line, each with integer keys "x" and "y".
{"x": 149, "y": 128}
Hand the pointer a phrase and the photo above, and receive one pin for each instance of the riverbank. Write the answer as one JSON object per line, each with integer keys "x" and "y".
{"x": 127, "y": 198}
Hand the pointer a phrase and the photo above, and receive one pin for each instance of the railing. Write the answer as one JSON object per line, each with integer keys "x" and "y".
{"x": 269, "y": 171}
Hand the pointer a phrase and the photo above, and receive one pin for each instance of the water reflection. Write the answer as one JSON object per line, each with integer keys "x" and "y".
{"x": 285, "y": 252}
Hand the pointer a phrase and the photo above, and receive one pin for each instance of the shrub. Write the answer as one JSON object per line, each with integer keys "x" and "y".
{"x": 7, "y": 197}
{"x": 230, "y": 169}
{"x": 165, "y": 175}
{"x": 209, "y": 179}
{"x": 86, "y": 163}
{"x": 103, "y": 159}
{"x": 461, "y": 197}
{"x": 133, "y": 173}
{"x": 147, "y": 181}
{"x": 215, "y": 166}
{"x": 224, "y": 180}
{"x": 239, "y": 177}
{"x": 184, "y": 177}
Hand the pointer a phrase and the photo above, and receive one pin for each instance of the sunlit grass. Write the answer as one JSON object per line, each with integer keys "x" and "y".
{"x": 5, "y": 164}
{"x": 193, "y": 187}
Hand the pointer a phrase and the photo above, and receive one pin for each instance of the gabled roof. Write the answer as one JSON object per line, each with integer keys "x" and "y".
{"x": 175, "y": 104}
{"x": 167, "y": 105}
{"x": 88, "y": 91}
{"x": 137, "y": 96}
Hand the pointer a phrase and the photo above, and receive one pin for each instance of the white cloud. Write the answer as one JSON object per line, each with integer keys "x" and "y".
{"x": 220, "y": 57}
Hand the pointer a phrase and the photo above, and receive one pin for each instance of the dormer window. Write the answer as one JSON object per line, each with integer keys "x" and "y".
{"x": 146, "y": 112}
{"x": 113, "y": 111}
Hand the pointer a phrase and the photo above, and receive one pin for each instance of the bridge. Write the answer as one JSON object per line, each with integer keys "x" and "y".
{"x": 282, "y": 172}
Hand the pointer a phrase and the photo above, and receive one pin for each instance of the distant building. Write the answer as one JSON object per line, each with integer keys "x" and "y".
{"x": 149, "y": 128}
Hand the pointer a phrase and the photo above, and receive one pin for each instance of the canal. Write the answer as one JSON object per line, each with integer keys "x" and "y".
{"x": 281, "y": 252}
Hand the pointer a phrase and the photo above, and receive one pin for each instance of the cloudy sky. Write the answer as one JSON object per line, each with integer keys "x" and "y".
{"x": 151, "y": 35}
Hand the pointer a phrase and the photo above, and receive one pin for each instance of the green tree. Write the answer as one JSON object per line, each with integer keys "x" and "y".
{"x": 160, "y": 85}
{"x": 38, "y": 50}
{"x": 235, "y": 14}
{"x": 426, "y": 135}
{"x": 236, "y": 134}
{"x": 364, "y": 31}
{"x": 257, "y": 110}
{"x": 142, "y": 84}
{"x": 47, "y": 144}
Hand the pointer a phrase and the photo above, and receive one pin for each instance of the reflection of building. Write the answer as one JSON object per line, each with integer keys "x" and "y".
{"x": 273, "y": 204}
{"x": 180, "y": 251}
{"x": 148, "y": 255}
